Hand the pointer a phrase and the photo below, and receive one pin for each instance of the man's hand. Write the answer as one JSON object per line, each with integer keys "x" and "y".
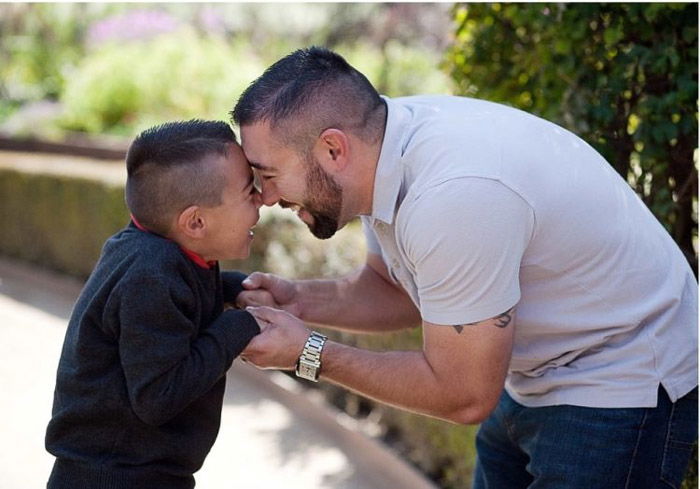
{"x": 280, "y": 341}
{"x": 265, "y": 289}
{"x": 259, "y": 297}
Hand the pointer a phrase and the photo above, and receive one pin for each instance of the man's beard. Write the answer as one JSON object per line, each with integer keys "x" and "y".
{"x": 323, "y": 200}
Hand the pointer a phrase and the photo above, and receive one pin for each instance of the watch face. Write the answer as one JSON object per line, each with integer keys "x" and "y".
{"x": 306, "y": 370}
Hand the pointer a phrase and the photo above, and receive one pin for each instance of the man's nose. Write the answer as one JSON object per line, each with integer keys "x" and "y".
{"x": 269, "y": 194}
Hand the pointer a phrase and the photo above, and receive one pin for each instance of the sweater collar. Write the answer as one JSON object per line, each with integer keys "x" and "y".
{"x": 194, "y": 257}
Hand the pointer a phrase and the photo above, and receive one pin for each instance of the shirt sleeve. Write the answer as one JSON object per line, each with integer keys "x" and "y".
{"x": 168, "y": 360}
{"x": 232, "y": 284}
{"x": 466, "y": 238}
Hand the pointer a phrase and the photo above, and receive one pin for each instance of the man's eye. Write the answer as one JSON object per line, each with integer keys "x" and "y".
{"x": 256, "y": 182}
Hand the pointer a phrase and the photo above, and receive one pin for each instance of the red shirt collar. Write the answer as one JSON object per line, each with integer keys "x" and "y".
{"x": 197, "y": 259}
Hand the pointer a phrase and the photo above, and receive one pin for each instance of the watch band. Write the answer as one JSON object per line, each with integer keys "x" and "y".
{"x": 309, "y": 363}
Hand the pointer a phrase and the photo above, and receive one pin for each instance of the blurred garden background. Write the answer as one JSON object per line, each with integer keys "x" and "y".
{"x": 622, "y": 76}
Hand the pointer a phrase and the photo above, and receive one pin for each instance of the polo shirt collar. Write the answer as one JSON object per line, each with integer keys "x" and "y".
{"x": 388, "y": 177}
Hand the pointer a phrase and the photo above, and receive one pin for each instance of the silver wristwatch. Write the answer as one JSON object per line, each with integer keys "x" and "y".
{"x": 309, "y": 363}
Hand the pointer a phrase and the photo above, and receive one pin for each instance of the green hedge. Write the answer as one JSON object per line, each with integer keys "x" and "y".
{"x": 58, "y": 221}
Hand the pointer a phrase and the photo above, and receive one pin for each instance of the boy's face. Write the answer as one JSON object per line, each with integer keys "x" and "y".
{"x": 229, "y": 234}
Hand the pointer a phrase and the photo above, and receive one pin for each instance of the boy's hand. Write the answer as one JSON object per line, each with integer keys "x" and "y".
{"x": 262, "y": 323}
{"x": 265, "y": 289}
{"x": 280, "y": 341}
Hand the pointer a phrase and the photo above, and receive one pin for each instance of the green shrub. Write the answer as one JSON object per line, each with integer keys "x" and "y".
{"x": 127, "y": 87}
{"x": 103, "y": 93}
{"x": 398, "y": 70}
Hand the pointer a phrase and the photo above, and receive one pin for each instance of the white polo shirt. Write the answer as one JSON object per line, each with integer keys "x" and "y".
{"x": 479, "y": 207}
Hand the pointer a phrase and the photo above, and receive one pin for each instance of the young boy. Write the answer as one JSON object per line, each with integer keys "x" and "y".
{"x": 141, "y": 378}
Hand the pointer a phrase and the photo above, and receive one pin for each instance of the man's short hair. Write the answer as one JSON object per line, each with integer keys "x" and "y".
{"x": 166, "y": 170}
{"x": 308, "y": 91}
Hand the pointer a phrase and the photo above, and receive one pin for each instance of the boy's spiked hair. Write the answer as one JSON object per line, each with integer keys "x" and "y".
{"x": 165, "y": 173}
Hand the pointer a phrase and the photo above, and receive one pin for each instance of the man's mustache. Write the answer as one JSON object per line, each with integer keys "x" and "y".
{"x": 285, "y": 204}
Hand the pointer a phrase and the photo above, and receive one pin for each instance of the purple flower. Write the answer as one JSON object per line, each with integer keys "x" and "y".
{"x": 132, "y": 25}
{"x": 210, "y": 20}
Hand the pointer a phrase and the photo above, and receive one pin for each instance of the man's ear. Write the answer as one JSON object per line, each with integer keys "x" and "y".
{"x": 331, "y": 149}
{"x": 191, "y": 222}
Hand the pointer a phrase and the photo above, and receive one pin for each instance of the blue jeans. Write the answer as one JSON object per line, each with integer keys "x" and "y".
{"x": 570, "y": 447}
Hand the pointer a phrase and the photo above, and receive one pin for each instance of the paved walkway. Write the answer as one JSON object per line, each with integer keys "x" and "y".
{"x": 274, "y": 433}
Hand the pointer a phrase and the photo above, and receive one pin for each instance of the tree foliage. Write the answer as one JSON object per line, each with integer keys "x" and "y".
{"x": 623, "y": 76}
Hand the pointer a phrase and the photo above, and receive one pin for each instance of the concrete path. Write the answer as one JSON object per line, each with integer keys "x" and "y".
{"x": 274, "y": 433}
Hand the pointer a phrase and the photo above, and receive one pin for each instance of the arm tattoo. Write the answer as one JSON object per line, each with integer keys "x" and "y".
{"x": 460, "y": 327}
{"x": 501, "y": 321}
{"x": 504, "y": 319}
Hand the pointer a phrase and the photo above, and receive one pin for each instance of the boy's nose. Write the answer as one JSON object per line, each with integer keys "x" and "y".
{"x": 258, "y": 199}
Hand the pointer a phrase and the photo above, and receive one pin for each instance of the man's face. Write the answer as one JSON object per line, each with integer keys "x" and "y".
{"x": 294, "y": 180}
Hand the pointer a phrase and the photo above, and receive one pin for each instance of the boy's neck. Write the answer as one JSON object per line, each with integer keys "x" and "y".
{"x": 187, "y": 250}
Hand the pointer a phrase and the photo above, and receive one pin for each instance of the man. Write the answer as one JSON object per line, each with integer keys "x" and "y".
{"x": 529, "y": 262}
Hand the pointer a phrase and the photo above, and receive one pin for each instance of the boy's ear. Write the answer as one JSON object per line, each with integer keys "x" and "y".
{"x": 331, "y": 149}
{"x": 191, "y": 222}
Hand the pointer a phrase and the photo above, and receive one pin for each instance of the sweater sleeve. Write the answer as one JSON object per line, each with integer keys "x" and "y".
{"x": 168, "y": 360}
{"x": 232, "y": 282}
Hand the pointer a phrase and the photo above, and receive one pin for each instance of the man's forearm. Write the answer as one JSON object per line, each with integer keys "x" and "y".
{"x": 403, "y": 379}
{"x": 361, "y": 302}
{"x": 457, "y": 376}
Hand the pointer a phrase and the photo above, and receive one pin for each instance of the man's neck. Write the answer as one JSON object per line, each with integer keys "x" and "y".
{"x": 371, "y": 155}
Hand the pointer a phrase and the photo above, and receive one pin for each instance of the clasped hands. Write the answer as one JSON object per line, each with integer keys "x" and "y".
{"x": 273, "y": 302}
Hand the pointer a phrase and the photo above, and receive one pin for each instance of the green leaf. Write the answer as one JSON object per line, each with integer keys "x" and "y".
{"x": 690, "y": 34}
{"x": 612, "y": 35}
